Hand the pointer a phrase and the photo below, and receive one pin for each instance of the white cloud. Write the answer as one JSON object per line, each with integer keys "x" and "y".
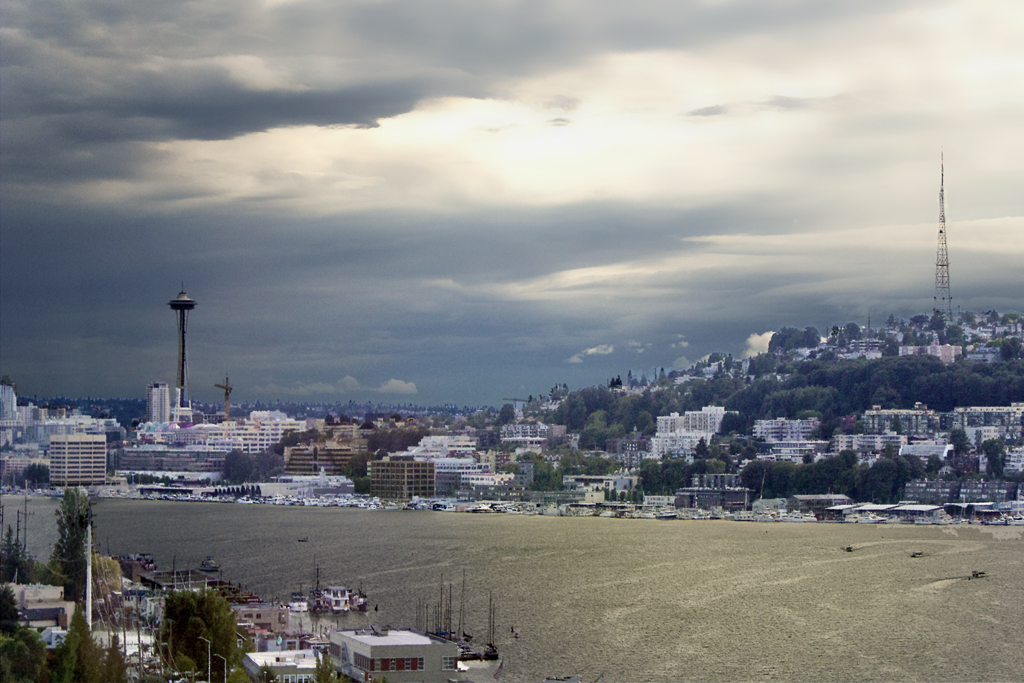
{"x": 757, "y": 343}
{"x": 638, "y": 347}
{"x": 396, "y": 386}
{"x": 601, "y": 350}
{"x": 682, "y": 343}
{"x": 347, "y": 383}
{"x": 681, "y": 363}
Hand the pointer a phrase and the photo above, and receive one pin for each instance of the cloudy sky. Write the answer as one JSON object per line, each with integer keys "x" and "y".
{"x": 458, "y": 201}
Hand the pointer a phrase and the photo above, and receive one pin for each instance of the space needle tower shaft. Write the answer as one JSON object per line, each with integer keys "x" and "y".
{"x": 182, "y": 410}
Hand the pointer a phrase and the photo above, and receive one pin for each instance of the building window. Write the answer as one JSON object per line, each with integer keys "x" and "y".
{"x": 448, "y": 663}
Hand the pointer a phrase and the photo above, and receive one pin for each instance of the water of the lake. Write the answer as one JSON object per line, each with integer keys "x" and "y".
{"x": 635, "y": 600}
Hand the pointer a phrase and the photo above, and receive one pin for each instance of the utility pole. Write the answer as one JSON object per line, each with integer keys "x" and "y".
{"x": 88, "y": 576}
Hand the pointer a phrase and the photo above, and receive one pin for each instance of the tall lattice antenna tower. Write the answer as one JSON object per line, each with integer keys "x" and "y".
{"x": 943, "y": 299}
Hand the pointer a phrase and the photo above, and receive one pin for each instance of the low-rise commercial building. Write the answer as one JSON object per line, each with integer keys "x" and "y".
{"x": 398, "y": 655}
{"x": 290, "y": 666}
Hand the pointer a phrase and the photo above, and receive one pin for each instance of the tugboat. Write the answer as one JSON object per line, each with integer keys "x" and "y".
{"x": 336, "y": 599}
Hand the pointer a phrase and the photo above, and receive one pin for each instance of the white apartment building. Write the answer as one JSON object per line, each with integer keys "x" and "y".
{"x": 794, "y": 451}
{"x": 677, "y": 443}
{"x": 918, "y": 421}
{"x": 944, "y": 352}
{"x": 1007, "y": 419}
{"x": 531, "y": 432}
{"x": 781, "y": 429}
{"x": 924, "y": 450}
{"x": 707, "y": 419}
{"x": 868, "y": 443}
{"x": 431, "y": 447}
{"x": 158, "y": 402}
{"x": 1014, "y": 463}
{"x": 78, "y": 459}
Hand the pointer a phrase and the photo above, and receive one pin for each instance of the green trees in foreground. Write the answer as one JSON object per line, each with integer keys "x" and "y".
{"x": 79, "y": 659}
{"x": 191, "y": 616}
{"x": 67, "y": 562}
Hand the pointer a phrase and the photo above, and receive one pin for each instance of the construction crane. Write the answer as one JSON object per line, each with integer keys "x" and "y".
{"x": 227, "y": 395}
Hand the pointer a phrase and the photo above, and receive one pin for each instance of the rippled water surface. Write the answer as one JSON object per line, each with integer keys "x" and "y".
{"x": 635, "y": 600}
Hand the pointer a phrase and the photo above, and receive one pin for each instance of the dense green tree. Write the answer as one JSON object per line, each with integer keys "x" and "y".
{"x": 22, "y": 656}
{"x": 189, "y": 615}
{"x": 507, "y": 414}
{"x": 115, "y": 668}
{"x": 8, "y": 610}
{"x": 1010, "y": 348}
{"x": 995, "y": 456}
{"x": 325, "y": 672}
{"x": 78, "y": 659}
{"x": 961, "y": 444}
{"x": 37, "y": 473}
{"x": 67, "y": 566}
{"x": 15, "y": 565}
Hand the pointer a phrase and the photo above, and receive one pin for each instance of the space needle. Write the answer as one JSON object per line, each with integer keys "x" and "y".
{"x": 181, "y": 411}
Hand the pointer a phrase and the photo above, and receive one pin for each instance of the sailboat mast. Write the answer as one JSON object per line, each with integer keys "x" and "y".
{"x": 462, "y": 604}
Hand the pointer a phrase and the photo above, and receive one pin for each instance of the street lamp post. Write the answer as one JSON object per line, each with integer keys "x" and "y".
{"x": 225, "y": 666}
{"x": 207, "y": 658}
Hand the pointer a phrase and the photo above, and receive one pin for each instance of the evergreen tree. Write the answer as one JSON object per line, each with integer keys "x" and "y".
{"x": 115, "y": 668}
{"x": 8, "y": 611}
{"x": 77, "y": 659}
{"x": 324, "y": 669}
{"x": 15, "y": 565}
{"x": 67, "y": 563}
{"x": 22, "y": 656}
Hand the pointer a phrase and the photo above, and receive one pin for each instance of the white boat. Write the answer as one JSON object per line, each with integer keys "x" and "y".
{"x": 298, "y": 603}
{"x": 870, "y": 518}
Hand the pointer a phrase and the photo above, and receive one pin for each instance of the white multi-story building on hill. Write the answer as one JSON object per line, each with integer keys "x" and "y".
{"x": 707, "y": 419}
{"x": 781, "y": 429}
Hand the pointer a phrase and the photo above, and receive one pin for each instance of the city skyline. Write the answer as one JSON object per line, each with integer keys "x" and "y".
{"x": 454, "y": 204}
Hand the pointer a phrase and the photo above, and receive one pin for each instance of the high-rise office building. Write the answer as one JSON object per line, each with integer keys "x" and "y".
{"x": 8, "y": 401}
{"x": 158, "y": 402}
{"x": 78, "y": 459}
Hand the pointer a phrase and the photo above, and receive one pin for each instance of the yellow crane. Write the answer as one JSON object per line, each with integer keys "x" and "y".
{"x": 227, "y": 395}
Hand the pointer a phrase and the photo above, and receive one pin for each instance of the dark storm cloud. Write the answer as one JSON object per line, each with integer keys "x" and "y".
{"x": 82, "y": 82}
{"x": 466, "y": 300}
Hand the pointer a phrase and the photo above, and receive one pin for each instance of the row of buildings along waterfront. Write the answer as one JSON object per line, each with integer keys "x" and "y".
{"x": 465, "y": 463}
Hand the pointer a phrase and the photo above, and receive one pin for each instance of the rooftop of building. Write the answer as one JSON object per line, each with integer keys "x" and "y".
{"x": 378, "y": 636}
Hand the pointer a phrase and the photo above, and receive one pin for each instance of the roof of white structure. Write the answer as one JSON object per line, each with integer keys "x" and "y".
{"x": 380, "y": 637}
{"x": 303, "y": 659}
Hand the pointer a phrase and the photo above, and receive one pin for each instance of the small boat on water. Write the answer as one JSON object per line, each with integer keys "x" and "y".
{"x": 209, "y": 564}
